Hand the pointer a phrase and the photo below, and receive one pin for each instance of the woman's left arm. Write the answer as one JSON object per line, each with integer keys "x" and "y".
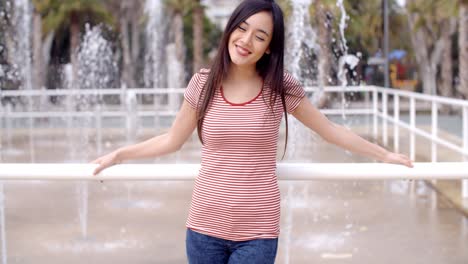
{"x": 342, "y": 137}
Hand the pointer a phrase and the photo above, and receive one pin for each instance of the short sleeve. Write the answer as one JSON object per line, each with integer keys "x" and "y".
{"x": 194, "y": 88}
{"x": 294, "y": 92}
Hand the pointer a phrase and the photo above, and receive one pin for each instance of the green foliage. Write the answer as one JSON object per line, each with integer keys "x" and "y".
{"x": 211, "y": 36}
{"x": 180, "y": 6}
{"x": 432, "y": 12}
{"x": 286, "y": 7}
{"x": 57, "y": 14}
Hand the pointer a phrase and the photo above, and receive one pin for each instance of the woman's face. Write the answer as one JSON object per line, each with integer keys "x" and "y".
{"x": 251, "y": 39}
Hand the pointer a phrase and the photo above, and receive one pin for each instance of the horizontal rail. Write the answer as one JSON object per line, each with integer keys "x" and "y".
{"x": 159, "y": 91}
{"x": 118, "y": 91}
{"x": 425, "y": 135}
{"x": 423, "y": 97}
{"x": 74, "y": 92}
{"x": 285, "y": 171}
{"x": 17, "y": 115}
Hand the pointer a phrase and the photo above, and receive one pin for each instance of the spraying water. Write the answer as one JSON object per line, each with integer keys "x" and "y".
{"x": 96, "y": 70}
{"x": 154, "y": 55}
{"x": 346, "y": 59}
{"x": 300, "y": 41}
{"x": 22, "y": 21}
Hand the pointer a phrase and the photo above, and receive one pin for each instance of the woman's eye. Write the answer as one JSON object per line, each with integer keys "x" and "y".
{"x": 241, "y": 28}
{"x": 261, "y": 39}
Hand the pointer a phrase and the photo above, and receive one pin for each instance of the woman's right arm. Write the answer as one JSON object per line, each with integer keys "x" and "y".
{"x": 183, "y": 126}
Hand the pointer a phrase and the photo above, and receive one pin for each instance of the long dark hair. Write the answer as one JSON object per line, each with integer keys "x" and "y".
{"x": 269, "y": 67}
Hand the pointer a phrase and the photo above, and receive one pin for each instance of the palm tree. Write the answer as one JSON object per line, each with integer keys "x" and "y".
{"x": 128, "y": 14}
{"x": 71, "y": 14}
{"x": 179, "y": 8}
{"x": 197, "y": 35}
{"x": 445, "y": 85}
{"x": 463, "y": 47}
{"x": 322, "y": 11}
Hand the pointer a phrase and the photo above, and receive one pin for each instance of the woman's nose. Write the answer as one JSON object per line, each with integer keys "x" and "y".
{"x": 247, "y": 38}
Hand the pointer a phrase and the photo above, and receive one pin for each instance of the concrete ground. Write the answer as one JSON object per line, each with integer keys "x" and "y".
{"x": 144, "y": 222}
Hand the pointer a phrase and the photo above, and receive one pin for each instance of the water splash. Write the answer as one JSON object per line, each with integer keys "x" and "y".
{"x": 342, "y": 25}
{"x": 300, "y": 46}
{"x": 153, "y": 72}
{"x": 82, "y": 190}
{"x": 96, "y": 69}
{"x": 346, "y": 61}
{"x": 300, "y": 41}
{"x": 22, "y": 20}
{"x": 96, "y": 65}
{"x": 176, "y": 78}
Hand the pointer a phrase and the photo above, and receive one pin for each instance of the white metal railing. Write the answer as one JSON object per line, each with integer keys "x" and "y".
{"x": 435, "y": 102}
{"x": 285, "y": 171}
{"x": 378, "y": 109}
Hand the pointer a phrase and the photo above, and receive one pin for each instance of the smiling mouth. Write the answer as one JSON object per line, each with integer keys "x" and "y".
{"x": 243, "y": 51}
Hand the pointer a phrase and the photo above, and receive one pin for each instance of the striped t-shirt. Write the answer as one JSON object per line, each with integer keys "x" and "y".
{"x": 236, "y": 195}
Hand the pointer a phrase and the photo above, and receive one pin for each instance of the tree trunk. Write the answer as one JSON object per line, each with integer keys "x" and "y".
{"x": 428, "y": 55}
{"x": 463, "y": 49}
{"x": 135, "y": 47}
{"x": 178, "y": 27}
{"x": 74, "y": 43}
{"x": 324, "y": 56}
{"x": 38, "y": 67}
{"x": 445, "y": 87}
{"x": 197, "y": 36}
{"x": 127, "y": 71}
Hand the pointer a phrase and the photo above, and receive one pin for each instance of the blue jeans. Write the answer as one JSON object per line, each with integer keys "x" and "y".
{"x": 203, "y": 249}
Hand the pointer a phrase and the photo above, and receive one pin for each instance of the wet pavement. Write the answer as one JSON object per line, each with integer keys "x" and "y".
{"x": 144, "y": 222}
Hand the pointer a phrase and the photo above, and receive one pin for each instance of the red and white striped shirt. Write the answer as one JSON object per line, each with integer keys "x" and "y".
{"x": 236, "y": 195}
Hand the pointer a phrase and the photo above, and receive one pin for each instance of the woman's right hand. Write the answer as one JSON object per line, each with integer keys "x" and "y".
{"x": 106, "y": 161}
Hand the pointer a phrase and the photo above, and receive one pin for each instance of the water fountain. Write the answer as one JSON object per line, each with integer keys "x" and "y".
{"x": 22, "y": 20}
{"x": 154, "y": 59}
{"x": 96, "y": 70}
{"x": 299, "y": 35}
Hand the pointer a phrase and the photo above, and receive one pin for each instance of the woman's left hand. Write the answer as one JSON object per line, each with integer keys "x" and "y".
{"x": 396, "y": 158}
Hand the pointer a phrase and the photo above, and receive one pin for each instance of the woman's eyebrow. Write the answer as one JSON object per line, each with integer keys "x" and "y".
{"x": 261, "y": 30}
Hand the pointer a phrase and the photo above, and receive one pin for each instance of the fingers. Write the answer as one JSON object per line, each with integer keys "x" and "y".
{"x": 406, "y": 162}
{"x": 401, "y": 159}
{"x": 97, "y": 170}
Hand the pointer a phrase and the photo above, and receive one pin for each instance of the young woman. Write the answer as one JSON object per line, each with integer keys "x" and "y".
{"x": 237, "y": 107}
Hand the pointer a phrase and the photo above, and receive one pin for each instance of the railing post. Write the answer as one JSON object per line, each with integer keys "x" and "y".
{"x": 8, "y": 123}
{"x": 123, "y": 95}
{"x": 465, "y": 147}
{"x": 132, "y": 116}
{"x": 375, "y": 110}
{"x": 384, "y": 119}
{"x": 98, "y": 115}
{"x": 367, "y": 106}
{"x": 396, "y": 120}
{"x": 412, "y": 128}
{"x": 434, "y": 122}
{"x": 32, "y": 148}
